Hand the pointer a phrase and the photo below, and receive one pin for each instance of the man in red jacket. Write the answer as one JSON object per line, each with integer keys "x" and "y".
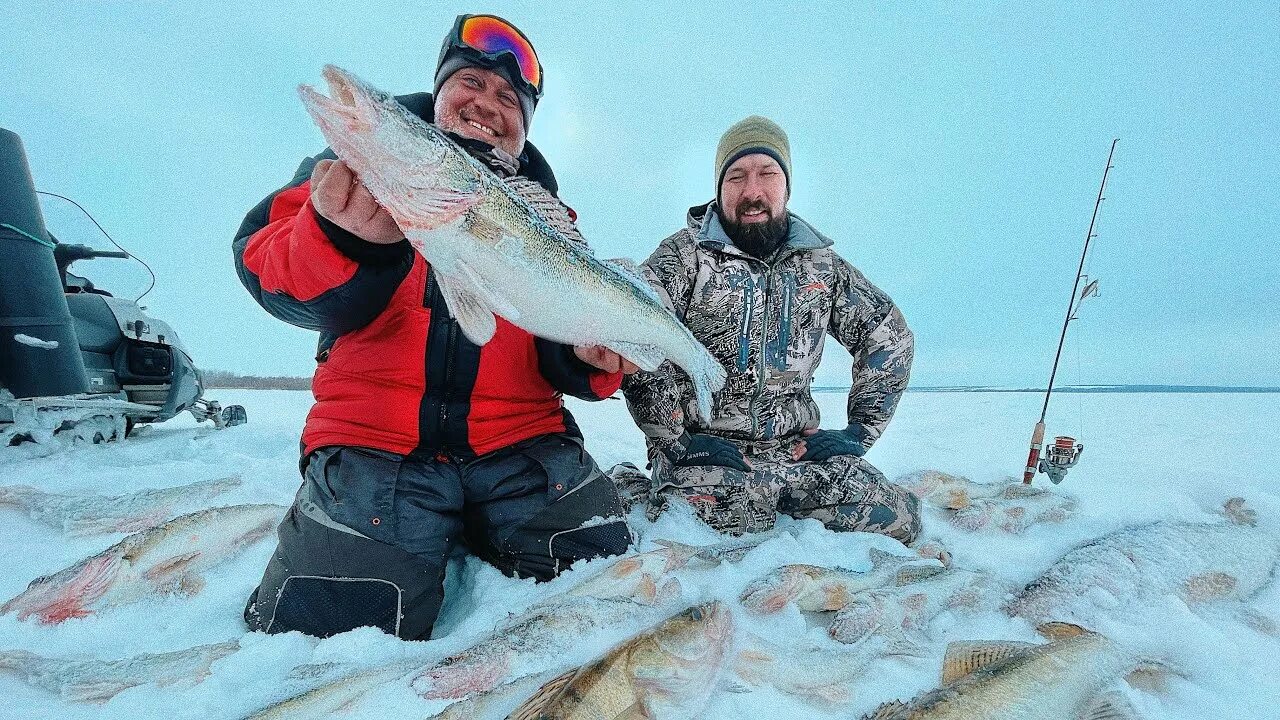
{"x": 419, "y": 439}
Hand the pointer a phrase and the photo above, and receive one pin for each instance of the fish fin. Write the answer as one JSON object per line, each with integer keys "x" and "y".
{"x": 174, "y": 566}
{"x": 1239, "y": 513}
{"x": 95, "y": 690}
{"x": 637, "y": 711}
{"x": 1151, "y": 676}
{"x": 834, "y": 693}
{"x": 432, "y": 208}
{"x": 957, "y": 499}
{"x": 1056, "y": 631}
{"x": 934, "y": 549}
{"x": 898, "y": 644}
{"x": 625, "y": 265}
{"x": 17, "y": 659}
{"x": 679, "y": 550}
{"x": 1259, "y": 622}
{"x": 531, "y": 709}
{"x": 476, "y": 320}
{"x": 483, "y": 290}
{"x": 190, "y": 584}
{"x": 318, "y": 671}
{"x": 880, "y": 557}
{"x": 1208, "y": 586}
{"x": 916, "y": 572}
{"x": 888, "y": 711}
{"x": 834, "y": 597}
{"x": 963, "y": 659}
{"x": 753, "y": 666}
{"x": 1110, "y": 706}
{"x": 646, "y": 357}
{"x": 646, "y": 590}
{"x": 669, "y": 592}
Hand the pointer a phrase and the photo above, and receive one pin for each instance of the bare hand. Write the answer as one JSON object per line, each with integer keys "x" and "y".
{"x": 801, "y": 447}
{"x": 338, "y": 195}
{"x": 605, "y": 359}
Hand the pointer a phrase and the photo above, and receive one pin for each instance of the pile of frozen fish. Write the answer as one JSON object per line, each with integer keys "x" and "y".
{"x": 693, "y": 643}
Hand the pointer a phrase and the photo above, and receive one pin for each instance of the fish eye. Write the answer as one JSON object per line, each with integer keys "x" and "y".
{"x": 695, "y": 613}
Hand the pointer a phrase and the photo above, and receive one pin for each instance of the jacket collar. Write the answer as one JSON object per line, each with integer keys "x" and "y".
{"x": 710, "y": 233}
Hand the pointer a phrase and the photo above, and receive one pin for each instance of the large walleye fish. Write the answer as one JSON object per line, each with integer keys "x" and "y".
{"x": 526, "y": 643}
{"x": 814, "y": 588}
{"x": 167, "y": 559}
{"x": 1066, "y": 679}
{"x": 492, "y": 252}
{"x": 901, "y": 613}
{"x": 339, "y": 694}
{"x": 92, "y": 680}
{"x": 1011, "y": 507}
{"x": 810, "y": 671}
{"x": 1199, "y": 562}
{"x": 80, "y": 514}
{"x": 730, "y": 550}
{"x": 667, "y": 671}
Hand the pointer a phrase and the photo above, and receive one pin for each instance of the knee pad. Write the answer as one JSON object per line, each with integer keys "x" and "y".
{"x": 326, "y": 606}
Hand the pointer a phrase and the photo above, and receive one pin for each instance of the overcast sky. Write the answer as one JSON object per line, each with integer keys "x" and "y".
{"x": 952, "y": 150}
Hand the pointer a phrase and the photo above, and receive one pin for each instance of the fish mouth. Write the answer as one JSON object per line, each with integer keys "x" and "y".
{"x": 347, "y": 102}
{"x": 344, "y": 87}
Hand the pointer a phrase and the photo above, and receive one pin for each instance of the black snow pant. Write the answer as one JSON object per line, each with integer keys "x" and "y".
{"x": 368, "y": 537}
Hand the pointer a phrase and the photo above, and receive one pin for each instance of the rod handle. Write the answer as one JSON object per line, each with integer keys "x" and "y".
{"x": 1033, "y": 457}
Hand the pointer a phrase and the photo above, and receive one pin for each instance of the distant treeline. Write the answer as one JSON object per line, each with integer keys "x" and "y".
{"x": 1086, "y": 389}
{"x": 224, "y": 379}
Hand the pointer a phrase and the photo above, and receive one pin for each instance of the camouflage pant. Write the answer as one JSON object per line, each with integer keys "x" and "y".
{"x": 845, "y": 493}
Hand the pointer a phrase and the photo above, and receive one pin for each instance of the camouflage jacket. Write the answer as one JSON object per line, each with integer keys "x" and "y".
{"x": 766, "y": 323}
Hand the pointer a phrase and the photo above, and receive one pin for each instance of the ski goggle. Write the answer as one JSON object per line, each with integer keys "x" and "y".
{"x": 491, "y": 38}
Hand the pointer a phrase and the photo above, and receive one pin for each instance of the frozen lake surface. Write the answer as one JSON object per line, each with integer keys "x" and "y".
{"x": 1148, "y": 457}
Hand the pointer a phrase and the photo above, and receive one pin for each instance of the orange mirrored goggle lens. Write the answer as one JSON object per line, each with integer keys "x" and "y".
{"x": 493, "y": 36}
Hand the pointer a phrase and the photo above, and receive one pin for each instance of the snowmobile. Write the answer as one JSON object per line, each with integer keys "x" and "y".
{"x": 77, "y": 362}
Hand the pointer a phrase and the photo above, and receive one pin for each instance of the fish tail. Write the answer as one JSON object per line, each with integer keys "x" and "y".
{"x": 14, "y": 495}
{"x": 707, "y": 375}
{"x": 54, "y": 603}
{"x": 453, "y": 682}
{"x": 17, "y": 660}
{"x": 678, "y": 553}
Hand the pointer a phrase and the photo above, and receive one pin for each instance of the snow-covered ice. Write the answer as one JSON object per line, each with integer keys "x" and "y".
{"x": 1149, "y": 457}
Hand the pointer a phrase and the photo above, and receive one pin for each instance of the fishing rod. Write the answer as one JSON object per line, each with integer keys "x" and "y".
{"x": 1065, "y": 452}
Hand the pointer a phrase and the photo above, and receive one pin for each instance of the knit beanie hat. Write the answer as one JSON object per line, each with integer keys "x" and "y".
{"x": 454, "y": 60}
{"x": 755, "y": 134}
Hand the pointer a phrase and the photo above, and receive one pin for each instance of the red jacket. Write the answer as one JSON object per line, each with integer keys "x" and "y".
{"x": 394, "y": 370}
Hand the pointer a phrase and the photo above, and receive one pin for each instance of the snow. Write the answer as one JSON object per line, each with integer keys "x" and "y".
{"x": 1148, "y": 457}
{"x": 36, "y": 342}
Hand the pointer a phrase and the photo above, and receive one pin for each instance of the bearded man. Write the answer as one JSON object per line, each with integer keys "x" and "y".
{"x": 762, "y": 288}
